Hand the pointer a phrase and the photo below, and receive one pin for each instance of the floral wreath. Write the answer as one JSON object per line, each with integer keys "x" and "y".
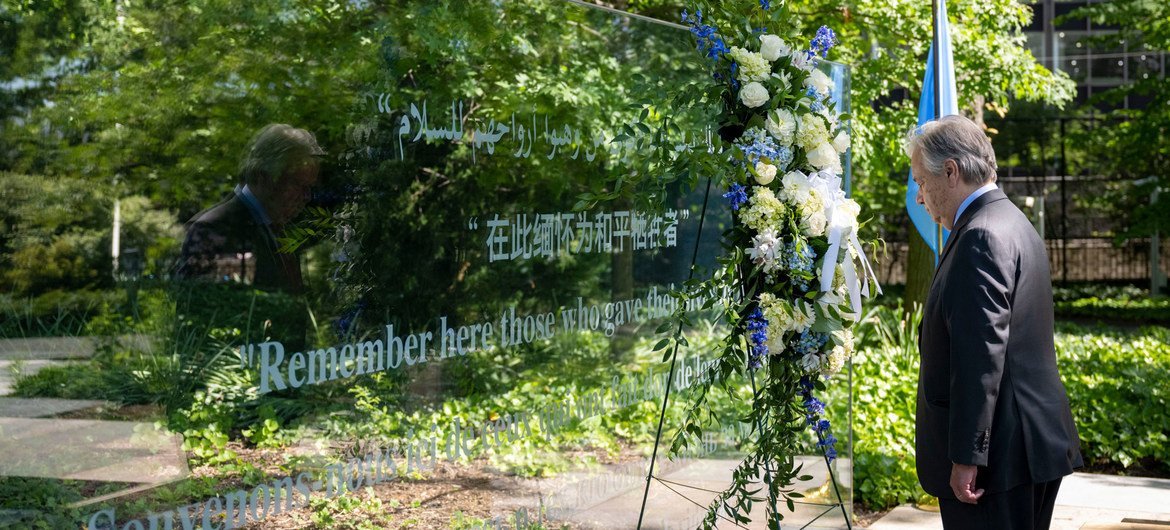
{"x": 796, "y": 265}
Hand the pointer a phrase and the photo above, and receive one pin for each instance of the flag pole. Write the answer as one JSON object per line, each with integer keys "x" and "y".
{"x": 938, "y": 236}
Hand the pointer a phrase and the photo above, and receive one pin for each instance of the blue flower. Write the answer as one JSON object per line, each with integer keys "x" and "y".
{"x": 808, "y": 342}
{"x": 716, "y": 48}
{"x": 736, "y": 196}
{"x": 756, "y": 144}
{"x": 765, "y": 4}
{"x": 758, "y": 325}
{"x": 800, "y": 264}
{"x": 706, "y": 36}
{"x": 824, "y": 40}
{"x": 814, "y": 406}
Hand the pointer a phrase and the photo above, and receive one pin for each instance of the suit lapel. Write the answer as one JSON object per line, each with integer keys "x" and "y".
{"x": 965, "y": 219}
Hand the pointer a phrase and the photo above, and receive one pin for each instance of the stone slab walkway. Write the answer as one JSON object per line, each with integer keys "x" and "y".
{"x": 42, "y": 407}
{"x": 61, "y": 348}
{"x": 1086, "y": 501}
{"x": 104, "y": 451}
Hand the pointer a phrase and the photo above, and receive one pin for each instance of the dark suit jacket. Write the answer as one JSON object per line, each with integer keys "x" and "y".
{"x": 227, "y": 243}
{"x": 989, "y": 393}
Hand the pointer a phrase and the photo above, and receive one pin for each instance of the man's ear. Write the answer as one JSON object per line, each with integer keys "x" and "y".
{"x": 951, "y": 172}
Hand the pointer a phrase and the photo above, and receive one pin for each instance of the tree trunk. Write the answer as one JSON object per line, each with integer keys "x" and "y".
{"x": 919, "y": 272}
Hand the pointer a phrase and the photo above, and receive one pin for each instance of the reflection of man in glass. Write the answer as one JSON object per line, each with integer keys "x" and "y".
{"x": 236, "y": 239}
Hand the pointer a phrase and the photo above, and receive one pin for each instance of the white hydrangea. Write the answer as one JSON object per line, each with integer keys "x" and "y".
{"x": 813, "y": 203}
{"x": 812, "y": 133}
{"x": 779, "y": 316}
{"x": 834, "y": 361}
{"x": 781, "y": 124}
{"x": 764, "y": 210}
{"x": 843, "y": 338}
{"x": 752, "y": 66}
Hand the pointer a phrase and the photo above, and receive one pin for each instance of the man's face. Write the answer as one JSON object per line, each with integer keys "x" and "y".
{"x": 933, "y": 192}
{"x": 292, "y": 192}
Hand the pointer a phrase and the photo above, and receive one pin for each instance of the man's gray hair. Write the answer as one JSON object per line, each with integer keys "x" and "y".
{"x": 954, "y": 138}
{"x": 275, "y": 149}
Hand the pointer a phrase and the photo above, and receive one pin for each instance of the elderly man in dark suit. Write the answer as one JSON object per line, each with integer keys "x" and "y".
{"x": 994, "y": 431}
{"x": 231, "y": 271}
{"x": 236, "y": 240}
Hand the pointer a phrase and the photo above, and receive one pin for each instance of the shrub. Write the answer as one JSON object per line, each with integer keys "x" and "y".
{"x": 1145, "y": 310}
{"x": 1116, "y": 382}
{"x": 885, "y": 371}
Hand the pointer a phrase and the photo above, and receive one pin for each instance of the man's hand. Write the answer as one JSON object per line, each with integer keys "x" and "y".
{"x": 963, "y": 483}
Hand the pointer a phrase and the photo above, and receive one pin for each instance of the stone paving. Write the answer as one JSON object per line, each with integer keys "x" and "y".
{"x": 1086, "y": 501}
{"x": 43, "y": 407}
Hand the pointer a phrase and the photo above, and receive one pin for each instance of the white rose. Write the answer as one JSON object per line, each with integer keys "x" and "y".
{"x": 814, "y": 223}
{"x": 765, "y": 173}
{"x": 825, "y": 158}
{"x": 781, "y": 124}
{"x": 753, "y": 95}
{"x": 850, "y": 209}
{"x": 841, "y": 142}
{"x": 772, "y": 47}
{"x": 820, "y": 82}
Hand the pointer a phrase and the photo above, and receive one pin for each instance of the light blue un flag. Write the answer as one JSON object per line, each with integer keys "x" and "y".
{"x": 934, "y": 234}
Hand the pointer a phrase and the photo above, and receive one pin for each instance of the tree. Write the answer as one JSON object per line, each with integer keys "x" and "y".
{"x": 886, "y": 44}
{"x": 1132, "y": 144}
